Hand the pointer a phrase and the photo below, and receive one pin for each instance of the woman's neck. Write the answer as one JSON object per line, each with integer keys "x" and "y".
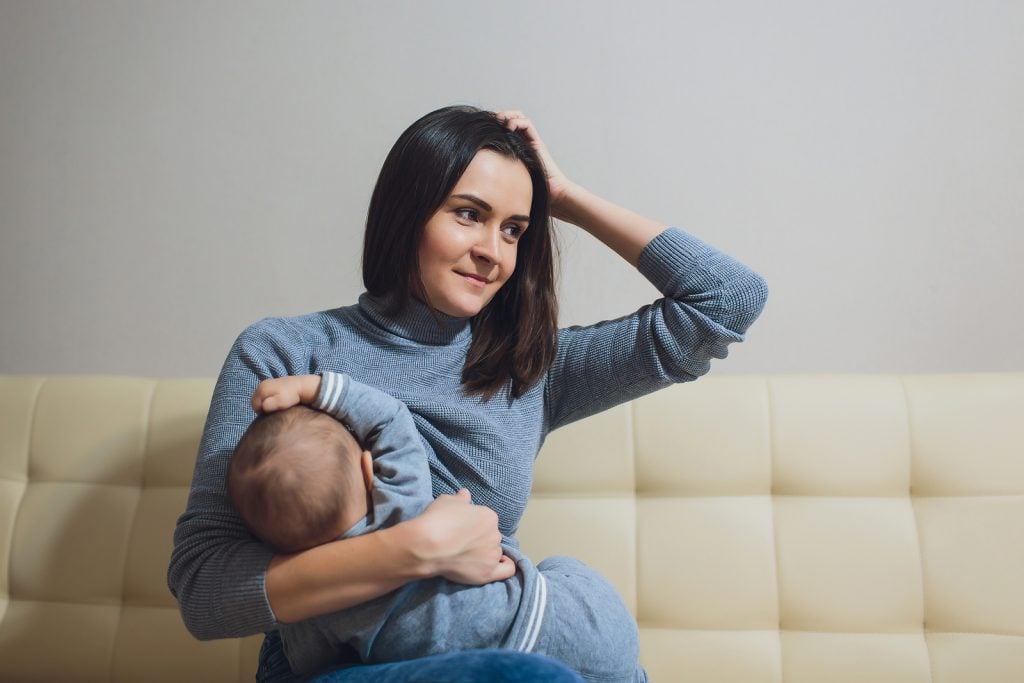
{"x": 415, "y": 320}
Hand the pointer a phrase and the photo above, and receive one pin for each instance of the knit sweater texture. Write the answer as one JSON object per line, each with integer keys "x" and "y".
{"x": 217, "y": 569}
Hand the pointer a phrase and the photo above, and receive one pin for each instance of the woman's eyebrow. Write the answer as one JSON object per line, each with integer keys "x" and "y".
{"x": 487, "y": 207}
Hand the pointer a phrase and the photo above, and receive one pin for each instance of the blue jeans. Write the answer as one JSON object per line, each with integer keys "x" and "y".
{"x": 468, "y": 666}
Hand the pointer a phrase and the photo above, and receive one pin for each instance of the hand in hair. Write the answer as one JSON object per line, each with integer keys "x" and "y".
{"x": 558, "y": 183}
{"x": 281, "y": 393}
{"x": 624, "y": 231}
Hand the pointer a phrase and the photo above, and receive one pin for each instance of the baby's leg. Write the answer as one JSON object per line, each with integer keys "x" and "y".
{"x": 587, "y": 625}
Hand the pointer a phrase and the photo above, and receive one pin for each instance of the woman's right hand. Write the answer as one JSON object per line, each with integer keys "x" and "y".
{"x": 460, "y": 541}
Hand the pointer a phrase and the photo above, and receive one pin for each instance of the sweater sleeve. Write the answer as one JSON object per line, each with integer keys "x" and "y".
{"x": 710, "y": 300}
{"x": 382, "y": 423}
{"x": 217, "y": 569}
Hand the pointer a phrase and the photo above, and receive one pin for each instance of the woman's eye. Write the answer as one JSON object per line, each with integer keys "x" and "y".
{"x": 467, "y": 214}
{"x": 513, "y": 230}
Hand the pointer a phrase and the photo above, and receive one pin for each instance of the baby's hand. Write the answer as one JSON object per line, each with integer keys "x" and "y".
{"x": 281, "y": 393}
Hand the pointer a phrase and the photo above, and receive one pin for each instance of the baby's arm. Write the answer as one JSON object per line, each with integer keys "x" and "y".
{"x": 383, "y": 424}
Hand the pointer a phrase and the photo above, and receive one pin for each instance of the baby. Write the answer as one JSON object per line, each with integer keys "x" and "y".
{"x": 299, "y": 478}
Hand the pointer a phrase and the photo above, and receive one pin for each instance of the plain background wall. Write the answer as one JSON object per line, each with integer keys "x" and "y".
{"x": 170, "y": 172}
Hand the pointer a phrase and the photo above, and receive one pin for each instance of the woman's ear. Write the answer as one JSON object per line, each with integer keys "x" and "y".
{"x": 366, "y": 463}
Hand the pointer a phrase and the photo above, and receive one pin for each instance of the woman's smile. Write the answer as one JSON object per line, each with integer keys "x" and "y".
{"x": 474, "y": 235}
{"x": 475, "y": 280}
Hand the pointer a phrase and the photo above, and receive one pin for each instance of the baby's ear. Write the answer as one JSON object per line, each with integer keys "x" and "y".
{"x": 366, "y": 463}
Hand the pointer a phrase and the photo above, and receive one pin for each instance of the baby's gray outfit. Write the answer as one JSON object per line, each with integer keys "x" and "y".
{"x": 560, "y": 608}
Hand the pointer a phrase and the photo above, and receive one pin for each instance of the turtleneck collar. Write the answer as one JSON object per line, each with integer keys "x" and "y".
{"x": 415, "y": 321}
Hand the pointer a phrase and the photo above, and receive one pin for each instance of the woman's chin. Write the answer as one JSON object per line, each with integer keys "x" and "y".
{"x": 463, "y": 307}
{"x": 460, "y": 311}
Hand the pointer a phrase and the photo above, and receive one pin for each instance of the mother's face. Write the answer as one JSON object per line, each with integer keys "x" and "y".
{"x": 468, "y": 250}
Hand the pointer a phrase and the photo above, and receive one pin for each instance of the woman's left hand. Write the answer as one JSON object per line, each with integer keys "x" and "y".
{"x": 625, "y": 232}
{"x": 558, "y": 184}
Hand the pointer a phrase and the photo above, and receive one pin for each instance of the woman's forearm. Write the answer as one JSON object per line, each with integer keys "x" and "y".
{"x": 341, "y": 574}
{"x": 453, "y": 538}
{"x": 622, "y": 230}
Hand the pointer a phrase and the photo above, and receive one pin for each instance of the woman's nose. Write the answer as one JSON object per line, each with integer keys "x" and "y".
{"x": 487, "y": 247}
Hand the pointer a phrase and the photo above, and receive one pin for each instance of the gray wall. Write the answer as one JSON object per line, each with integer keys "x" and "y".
{"x": 170, "y": 172}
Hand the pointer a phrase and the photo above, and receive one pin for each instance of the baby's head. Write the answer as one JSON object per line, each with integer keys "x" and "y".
{"x": 298, "y": 478}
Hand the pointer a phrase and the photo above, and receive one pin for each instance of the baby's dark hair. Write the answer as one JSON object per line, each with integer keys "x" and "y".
{"x": 289, "y": 475}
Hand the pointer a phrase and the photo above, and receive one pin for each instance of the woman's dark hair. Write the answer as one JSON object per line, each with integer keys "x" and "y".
{"x": 514, "y": 336}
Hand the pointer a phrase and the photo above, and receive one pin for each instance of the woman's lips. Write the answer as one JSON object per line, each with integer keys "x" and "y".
{"x": 474, "y": 279}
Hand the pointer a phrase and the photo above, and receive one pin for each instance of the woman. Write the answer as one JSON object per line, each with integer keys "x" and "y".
{"x": 459, "y": 322}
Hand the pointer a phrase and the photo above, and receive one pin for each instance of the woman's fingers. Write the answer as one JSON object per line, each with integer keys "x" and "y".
{"x": 517, "y": 120}
{"x": 558, "y": 183}
{"x": 463, "y": 540}
{"x": 524, "y": 124}
{"x": 511, "y": 114}
{"x": 506, "y": 568}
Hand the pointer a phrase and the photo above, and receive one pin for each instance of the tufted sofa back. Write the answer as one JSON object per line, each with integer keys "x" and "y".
{"x": 94, "y": 471}
{"x": 805, "y": 528}
{"x": 763, "y": 528}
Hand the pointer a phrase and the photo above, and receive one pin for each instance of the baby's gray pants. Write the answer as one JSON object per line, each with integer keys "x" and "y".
{"x": 560, "y": 608}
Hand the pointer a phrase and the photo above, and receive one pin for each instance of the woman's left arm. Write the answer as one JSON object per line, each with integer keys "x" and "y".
{"x": 710, "y": 299}
{"x": 622, "y": 230}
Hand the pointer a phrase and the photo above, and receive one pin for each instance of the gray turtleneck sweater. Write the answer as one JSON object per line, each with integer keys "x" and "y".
{"x": 217, "y": 568}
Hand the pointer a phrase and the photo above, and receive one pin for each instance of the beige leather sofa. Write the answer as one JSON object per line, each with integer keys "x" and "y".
{"x": 764, "y": 528}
